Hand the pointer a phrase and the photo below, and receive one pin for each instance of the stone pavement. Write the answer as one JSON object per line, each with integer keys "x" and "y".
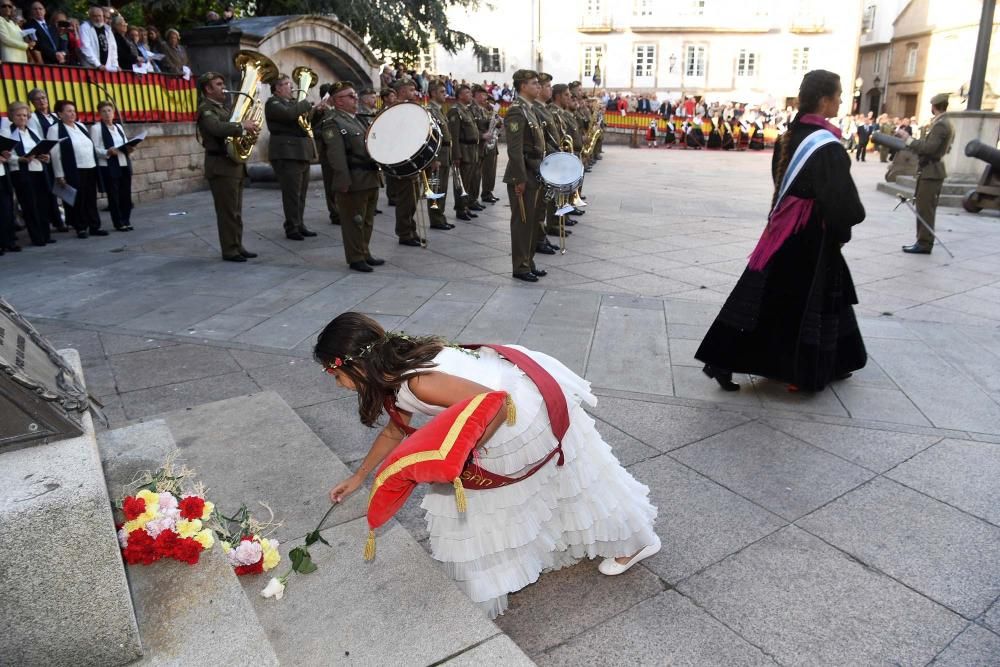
{"x": 859, "y": 525}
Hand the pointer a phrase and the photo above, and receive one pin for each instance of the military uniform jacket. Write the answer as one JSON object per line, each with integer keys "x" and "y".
{"x": 214, "y": 127}
{"x": 932, "y": 148}
{"x": 525, "y": 143}
{"x": 583, "y": 119}
{"x": 551, "y": 129}
{"x": 464, "y": 133}
{"x": 488, "y": 114}
{"x": 572, "y": 128}
{"x": 344, "y": 138}
{"x": 482, "y": 124}
{"x": 366, "y": 114}
{"x": 444, "y": 151}
{"x": 288, "y": 140}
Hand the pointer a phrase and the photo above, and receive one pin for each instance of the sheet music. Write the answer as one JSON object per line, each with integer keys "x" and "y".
{"x": 65, "y": 192}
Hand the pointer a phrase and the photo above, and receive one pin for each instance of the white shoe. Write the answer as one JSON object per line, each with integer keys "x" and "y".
{"x": 611, "y": 567}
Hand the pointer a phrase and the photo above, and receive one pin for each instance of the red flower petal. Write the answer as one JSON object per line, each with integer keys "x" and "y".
{"x": 133, "y": 507}
{"x": 191, "y": 507}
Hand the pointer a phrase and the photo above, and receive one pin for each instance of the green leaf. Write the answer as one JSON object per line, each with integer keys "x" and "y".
{"x": 302, "y": 560}
{"x": 314, "y": 537}
{"x": 307, "y": 566}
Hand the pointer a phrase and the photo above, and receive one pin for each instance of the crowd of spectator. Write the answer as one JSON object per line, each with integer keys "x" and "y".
{"x": 103, "y": 40}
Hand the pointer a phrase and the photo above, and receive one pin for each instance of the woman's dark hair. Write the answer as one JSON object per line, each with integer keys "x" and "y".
{"x": 816, "y": 85}
{"x": 62, "y": 104}
{"x": 377, "y": 362}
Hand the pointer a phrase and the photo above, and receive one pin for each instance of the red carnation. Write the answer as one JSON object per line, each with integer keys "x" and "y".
{"x": 165, "y": 542}
{"x": 141, "y": 548}
{"x": 133, "y": 507}
{"x": 187, "y": 550}
{"x": 256, "y": 568}
{"x": 191, "y": 507}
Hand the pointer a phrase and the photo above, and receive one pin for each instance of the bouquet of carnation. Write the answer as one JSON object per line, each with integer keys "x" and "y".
{"x": 244, "y": 543}
{"x": 164, "y": 521}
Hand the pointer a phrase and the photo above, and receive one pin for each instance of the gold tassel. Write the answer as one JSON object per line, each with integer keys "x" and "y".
{"x": 459, "y": 494}
{"x": 511, "y": 411}
{"x": 370, "y": 546}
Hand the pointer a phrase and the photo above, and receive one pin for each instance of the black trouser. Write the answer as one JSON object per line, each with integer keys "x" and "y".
{"x": 32, "y": 188}
{"x": 55, "y": 219}
{"x": 83, "y": 215}
{"x": 119, "y": 191}
{"x": 859, "y": 154}
{"x": 7, "y": 237}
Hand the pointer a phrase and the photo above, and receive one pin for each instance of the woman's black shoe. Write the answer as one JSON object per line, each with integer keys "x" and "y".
{"x": 724, "y": 378}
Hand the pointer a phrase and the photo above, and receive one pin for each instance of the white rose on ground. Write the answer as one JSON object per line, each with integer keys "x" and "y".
{"x": 274, "y": 589}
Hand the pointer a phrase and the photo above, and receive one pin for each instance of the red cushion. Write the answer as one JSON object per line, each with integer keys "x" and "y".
{"x": 436, "y": 453}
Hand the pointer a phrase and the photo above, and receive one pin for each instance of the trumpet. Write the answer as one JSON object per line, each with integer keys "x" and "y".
{"x": 429, "y": 193}
{"x": 460, "y": 192}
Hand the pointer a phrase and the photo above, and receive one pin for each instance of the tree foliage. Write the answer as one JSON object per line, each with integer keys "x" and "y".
{"x": 400, "y": 28}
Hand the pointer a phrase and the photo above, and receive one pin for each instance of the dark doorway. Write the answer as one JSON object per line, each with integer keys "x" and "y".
{"x": 874, "y": 101}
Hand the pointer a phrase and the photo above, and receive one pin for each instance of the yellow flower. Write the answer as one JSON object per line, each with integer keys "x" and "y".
{"x": 207, "y": 514}
{"x": 226, "y": 547}
{"x": 187, "y": 528}
{"x": 271, "y": 555}
{"x": 152, "y": 499}
{"x": 205, "y": 539}
{"x": 137, "y": 523}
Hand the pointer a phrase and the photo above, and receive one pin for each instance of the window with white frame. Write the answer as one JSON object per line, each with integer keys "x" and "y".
{"x": 877, "y": 63}
{"x": 911, "y": 59}
{"x": 746, "y": 63}
{"x": 590, "y": 58}
{"x": 694, "y": 60}
{"x": 644, "y": 7}
{"x": 800, "y": 59}
{"x": 491, "y": 60}
{"x": 645, "y": 60}
{"x": 868, "y": 20}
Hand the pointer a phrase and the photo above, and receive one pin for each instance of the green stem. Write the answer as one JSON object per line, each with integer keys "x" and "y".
{"x": 325, "y": 516}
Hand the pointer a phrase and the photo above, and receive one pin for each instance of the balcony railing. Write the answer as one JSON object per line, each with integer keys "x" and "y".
{"x": 595, "y": 23}
{"x": 139, "y": 98}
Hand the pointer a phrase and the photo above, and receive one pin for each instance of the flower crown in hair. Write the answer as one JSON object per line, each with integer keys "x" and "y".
{"x": 340, "y": 361}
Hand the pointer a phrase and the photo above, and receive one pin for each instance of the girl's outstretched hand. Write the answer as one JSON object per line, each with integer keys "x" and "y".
{"x": 340, "y": 492}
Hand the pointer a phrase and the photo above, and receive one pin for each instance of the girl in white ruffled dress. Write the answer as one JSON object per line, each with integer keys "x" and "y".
{"x": 588, "y": 507}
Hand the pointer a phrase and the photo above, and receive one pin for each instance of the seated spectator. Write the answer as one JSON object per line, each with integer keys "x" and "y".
{"x": 114, "y": 165}
{"x": 128, "y": 51}
{"x": 97, "y": 42}
{"x": 75, "y": 163}
{"x": 175, "y": 59}
{"x": 47, "y": 41}
{"x": 28, "y": 176}
{"x": 13, "y": 47}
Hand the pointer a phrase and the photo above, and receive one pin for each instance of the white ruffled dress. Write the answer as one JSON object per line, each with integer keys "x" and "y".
{"x": 589, "y": 507}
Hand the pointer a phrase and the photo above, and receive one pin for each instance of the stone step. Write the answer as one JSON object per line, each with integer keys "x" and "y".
{"x": 64, "y": 597}
{"x": 188, "y": 615}
{"x": 399, "y": 609}
{"x": 949, "y": 200}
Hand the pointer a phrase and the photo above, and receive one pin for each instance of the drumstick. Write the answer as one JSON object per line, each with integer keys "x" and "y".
{"x": 520, "y": 200}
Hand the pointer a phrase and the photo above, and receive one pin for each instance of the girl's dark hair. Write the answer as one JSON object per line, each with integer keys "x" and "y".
{"x": 816, "y": 85}
{"x": 377, "y": 362}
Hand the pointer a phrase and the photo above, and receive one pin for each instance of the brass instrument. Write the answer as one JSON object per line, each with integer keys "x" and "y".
{"x": 429, "y": 193}
{"x": 460, "y": 192}
{"x": 257, "y": 68}
{"x": 305, "y": 79}
{"x": 491, "y": 143}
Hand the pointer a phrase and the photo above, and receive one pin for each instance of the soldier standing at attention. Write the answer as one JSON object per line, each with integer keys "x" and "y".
{"x": 489, "y": 154}
{"x": 474, "y": 183}
{"x": 464, "y": 147}
{"x": 552, "y": 130}
{"x": 525, "y": 151}
{"x": 442, "y": 160}
{"x": 224, "y": 175}
{"x": 406, "y": 187}
{"x": 317, "y": 121}
{"x": 290, "y": 152}
{"x": 355, "y": 176}
{"x": 366, "y": 106}
{"x": 930, "y": 172}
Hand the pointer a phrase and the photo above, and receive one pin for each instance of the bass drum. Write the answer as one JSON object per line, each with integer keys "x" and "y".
{"x": 563, "y": 172}
{"x": 403, "y": 139}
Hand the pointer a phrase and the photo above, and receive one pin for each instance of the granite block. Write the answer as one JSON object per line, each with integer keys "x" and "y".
{"x": 170, "y": 365}
{"x": 665, "y": 630}
{"x": 498, "y": 650}
{"x": 123, "y": 344}
{"x": 962, "y": 473}
{"x": 338, "y": 424}
{"x": 623, "y": 335}
{"x": 627, "y": 449}
{"x": 975, "y": 647}
{"x": 146, "y": 402}
{"x": 780, "y": 473}
{"x": 945, "y": 554}
{"x": 804, "y": 602}
{"x": 300, "y": 382}
{"x": 880, "y": 403}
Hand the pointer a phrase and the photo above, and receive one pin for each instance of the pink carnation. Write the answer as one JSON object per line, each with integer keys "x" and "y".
{"x": 167, "y": 502}
{"x": 157, "y": 526}
{"x": 247, "y": 553}
{"x": 122, "y": 537}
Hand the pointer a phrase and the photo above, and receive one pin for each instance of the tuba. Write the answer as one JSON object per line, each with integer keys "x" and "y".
{"x": 257, "y": 68}
{"x": 305, "y": 79}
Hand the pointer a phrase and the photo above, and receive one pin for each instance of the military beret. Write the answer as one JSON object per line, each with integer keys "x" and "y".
{"x": 940, "y": 98}
{"x": 559, "y": 89}
{"x": 208, "y": 77}
{"x": 403, "y": 83}
{"x": 544, "y": 77}
{"x": 341, "y": 85}
{"x": 476, "y": 88}
{"x": 525, "y": 75}
{"x": 367, "y": 90}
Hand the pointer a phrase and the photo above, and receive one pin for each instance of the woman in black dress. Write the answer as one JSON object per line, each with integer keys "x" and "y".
{"x": 790, "y": 316}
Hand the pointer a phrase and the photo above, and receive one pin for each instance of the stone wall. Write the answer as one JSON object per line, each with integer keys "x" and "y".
{"x": 169, "y": 162}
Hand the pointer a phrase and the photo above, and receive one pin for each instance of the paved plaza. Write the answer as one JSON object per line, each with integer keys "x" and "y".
{"x": 857, "y": 526}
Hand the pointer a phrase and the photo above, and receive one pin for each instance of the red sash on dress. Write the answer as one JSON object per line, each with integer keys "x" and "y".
{"x": 477, "y": 478}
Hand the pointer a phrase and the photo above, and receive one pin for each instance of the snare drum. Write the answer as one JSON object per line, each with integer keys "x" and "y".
{"x": 563, "y": 172}
{"x": 403, "y": 139}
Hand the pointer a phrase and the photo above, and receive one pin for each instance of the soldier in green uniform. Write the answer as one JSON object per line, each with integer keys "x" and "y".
{"x": 317, "y": 121}
{"x": 442, "y": 160}
{"x": 405, "y": 189}
{"x": 489, "y": 153}
{"x": 475, "y": 181}
{"x": 290, "y": 151}
{"x": 388, "y": 96}
{"x": 552, "y": 130}
{"x": 355, "y": 176}
{"x": 931, "y": 172}
{"x": 464, "y": 147}
{"x": 366, "y": 106}
{"x": 525, "y": 151}
{"x": 885, "y": 127}
{"x": 225, "y": 175}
